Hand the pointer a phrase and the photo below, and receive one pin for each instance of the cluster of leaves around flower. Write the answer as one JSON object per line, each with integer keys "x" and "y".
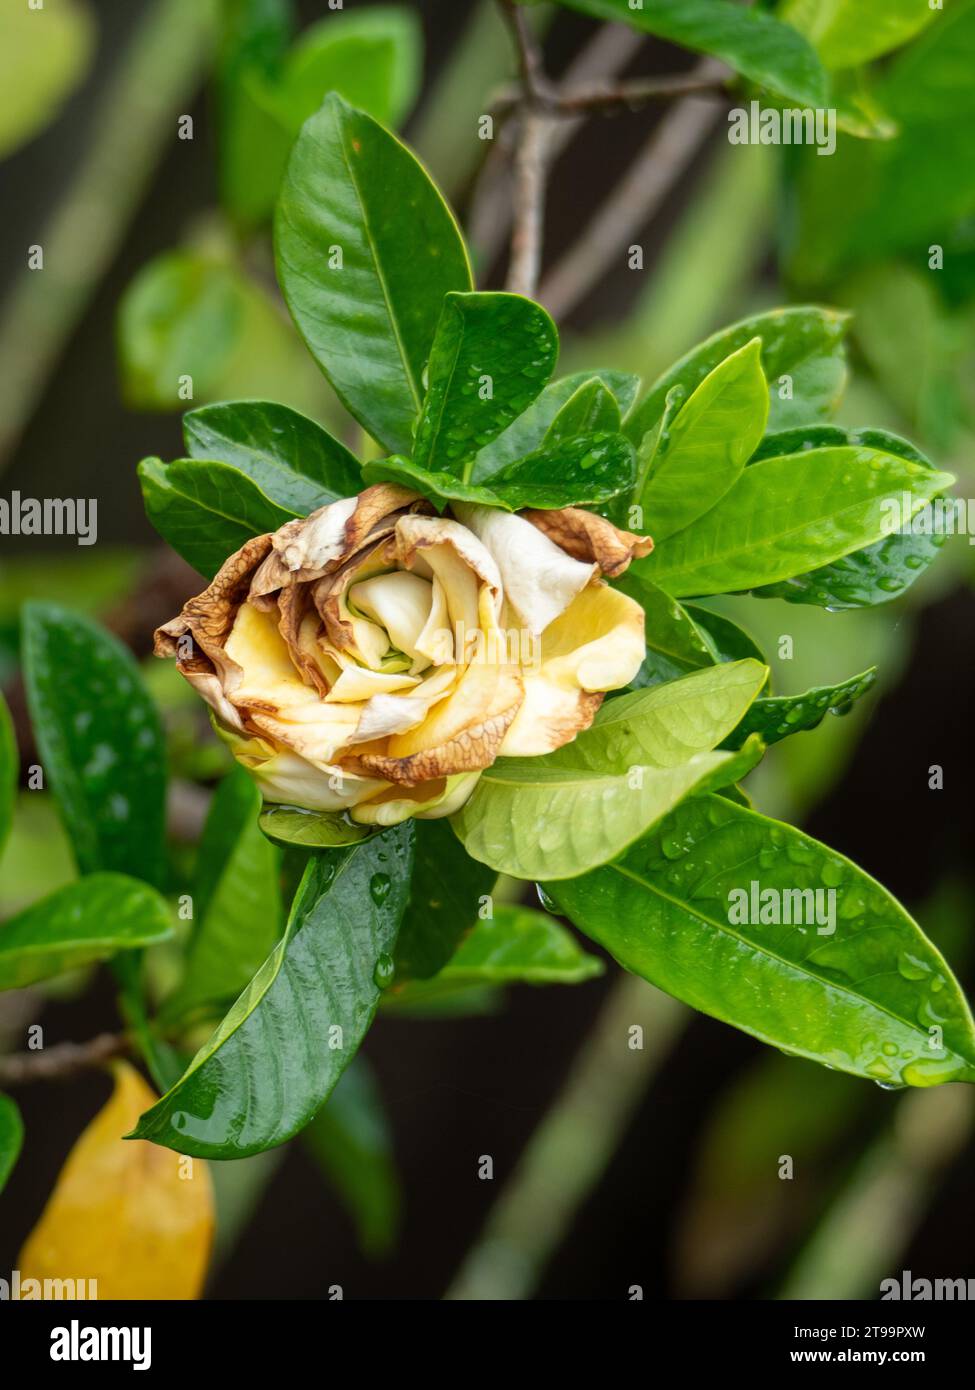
{"x": 637, "y": 831}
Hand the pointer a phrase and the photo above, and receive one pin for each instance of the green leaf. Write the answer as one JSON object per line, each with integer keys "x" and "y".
{"x": 193, "y": 324}
{"x": 518, "y": 945}
{"x": 878, "y": 573}
{"x": 847, "y": 32}
{"x": 370, "y": 59}
{"x": 293, "y": 825}
{"x": 581, "y": 471}
{"x": 560, "y": 814}
{"x": 11, "y": 1138}
{"x": 447, "y": 891}
{"x": 675, "y": 644}
{"x": 254, "y": 38}
{"x": 293, "y": 461}
{"x": 527, "y": 433}
{"x": 44, "y": 54}
{"x": 370, "y": 325}
{"x": 349, "y": 1139}
{"x": 699, "y": 457}
{"x": 803, "y": 344}
{"x": 9, "y": 763}
{"x": 869, "y": 997}
{"x": 85, "y": 922}
{"x": 492, "y": 354}
{"x": 179, "y": 317}
{"x": 727, "y": 641}
{"x": 206, "y": 510}
{"x": 755, "y": 44}
{"x": 776, "y": 717}
{"x": 100, "y": 740}
{"x": 875, "y": 199}
{"x": 591, "y": 408}
{"x": 281, "y": 1049}
{"x": 785, "y": 514}
{"x": 236, "y": 901}
{"x": 584, "y": 469}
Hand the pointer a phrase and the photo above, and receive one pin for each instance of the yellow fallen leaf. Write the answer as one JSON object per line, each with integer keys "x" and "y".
{"x": 133, "y": 1216}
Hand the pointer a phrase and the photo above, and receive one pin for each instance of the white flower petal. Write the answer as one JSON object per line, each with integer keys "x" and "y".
{"x": 540, "y": 580}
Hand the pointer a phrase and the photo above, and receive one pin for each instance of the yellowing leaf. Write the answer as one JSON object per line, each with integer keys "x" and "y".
{"x": 136, "y": 1218}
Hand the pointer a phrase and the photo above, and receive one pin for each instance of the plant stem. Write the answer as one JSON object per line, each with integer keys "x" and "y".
{"x": 157, "y": 77}
{"x": 63, "y": 1060}
{"x": 665, "y": 157}
{"x": 531, "y": 169}
{"x": 570, "y": 1149}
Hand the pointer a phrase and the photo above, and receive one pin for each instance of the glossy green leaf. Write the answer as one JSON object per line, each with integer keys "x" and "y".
{"x": 518, "y": 945}
{"x": 751, "y": 41}
{"x": 879, "y": 572}
{"x": 581, "y": 470}
{"x": 698, "y": 458}
{"x": 802, "y": 358}
{"x": 85, "y": 922}
{"x": 558, "y": 815}
{"x": 281, "y": 1049}
{"x": 537, "y": 821}
{"x": 370, "y": 324}
{"x": 492, "y": 354}
{"x": 855, "y": 984}
{"x": 298, "y": 827}
{"x": 293, "y": 461}
{"x": 44, "y": 53}
{"x": 206, "y": 510}
{"x": 591, "y": 408}
{"x": 237, "y": 909}
{"x": 527, "y": 433}
{"x": 674, "y": 642}
{"x": 9, "y": 762}
{"x": 727, "y": 641}
{"x": 777, "y": 716}
{"x": 349, "y": 1139}
{"x": 447, "y": 892}
{"x": 784, "y": 515}
{"x": 100, "y": 740}
{"x": 847, "y": 32}
{"x": 584, "y": 470}
{"x": 11, "y": 1138}
{"x": 668, "y": 724}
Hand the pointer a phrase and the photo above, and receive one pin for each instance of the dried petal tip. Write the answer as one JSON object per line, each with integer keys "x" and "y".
{"x": 591, "y": 538}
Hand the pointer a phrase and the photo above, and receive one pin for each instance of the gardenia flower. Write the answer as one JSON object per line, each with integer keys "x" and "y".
{"x": 375, "y": 657}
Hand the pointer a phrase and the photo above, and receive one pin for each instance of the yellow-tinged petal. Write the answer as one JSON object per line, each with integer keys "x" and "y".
{"x": 597, "y": 645}
{"x": 268, "y": 676}
{"x": 395, "y": 714}
{"x": 358, "y": 683}
{"x": 135, "y": 1217}
{"x": 426, "y": 801}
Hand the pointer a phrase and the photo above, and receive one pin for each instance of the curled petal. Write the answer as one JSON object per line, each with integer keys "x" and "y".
{"x": 597, "y": 645}
{"x": 426, "y": 801}
{"x": 540, "y": 580}
{"x": 591, "y": 538}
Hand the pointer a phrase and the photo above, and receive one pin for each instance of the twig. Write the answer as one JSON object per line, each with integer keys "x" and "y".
{"x": 531, "y": 168}
{"x": 156, "y": 79}
{"x": 63, "y": 1060}
{"x": 570, "y": 1149}
{"x": 489, "y": 221}
{"x": 614, "y": 96}
{"x": 664, "y": 158}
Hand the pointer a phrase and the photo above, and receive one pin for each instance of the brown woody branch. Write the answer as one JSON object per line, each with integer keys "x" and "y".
{"x": 63, "y": 1060}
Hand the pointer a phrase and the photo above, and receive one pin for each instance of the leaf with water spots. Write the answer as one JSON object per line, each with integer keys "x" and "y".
{"x": 289, "y": 1037}
{"x": 100, "y": 740}
{"x": 756, "y": 924}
